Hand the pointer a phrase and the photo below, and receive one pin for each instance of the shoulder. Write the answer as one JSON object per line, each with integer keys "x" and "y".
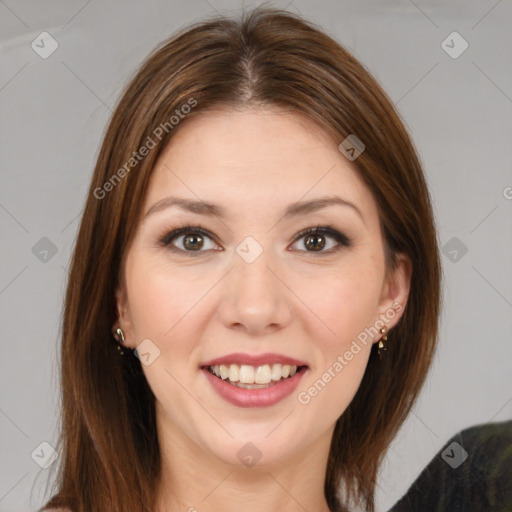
{"x": 482, "y": 482}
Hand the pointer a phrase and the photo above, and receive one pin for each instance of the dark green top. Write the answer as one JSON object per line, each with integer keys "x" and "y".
{"x": 472, "y": 473}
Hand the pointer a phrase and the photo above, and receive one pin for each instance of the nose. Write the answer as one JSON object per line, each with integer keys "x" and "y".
{"x": 255, "y": 298}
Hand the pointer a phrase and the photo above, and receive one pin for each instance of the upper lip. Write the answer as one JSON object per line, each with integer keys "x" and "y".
{"x": 253, "y": 360}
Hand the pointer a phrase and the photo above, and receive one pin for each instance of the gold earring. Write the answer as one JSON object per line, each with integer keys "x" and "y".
{"x": 382, "y": 347}
{"x": 119, "y": 336}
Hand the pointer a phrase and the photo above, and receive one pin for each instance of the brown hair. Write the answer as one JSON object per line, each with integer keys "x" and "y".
{"x": 110, "y": 457}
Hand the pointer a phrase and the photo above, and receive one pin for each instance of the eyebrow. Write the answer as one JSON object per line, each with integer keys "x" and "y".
{"x": 210, "y": 209}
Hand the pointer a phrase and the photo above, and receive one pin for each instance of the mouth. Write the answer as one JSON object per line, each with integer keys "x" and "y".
{"x": 246, "y": 381}
{"x": 254, "y": 377}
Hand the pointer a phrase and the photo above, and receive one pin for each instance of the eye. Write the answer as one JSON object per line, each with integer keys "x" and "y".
{"x": 193, "y": 240}
{"x": 316, "y": 239}
{"x": 189, "y": 239}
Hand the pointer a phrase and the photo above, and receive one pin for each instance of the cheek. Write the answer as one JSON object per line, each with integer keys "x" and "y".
{"x": 347, "y": 307}
{"x": 159, "y": 299}
{"x": 347, "y": 303}
{"x": 167, "y": 308}
{"x": 162, "y": 307}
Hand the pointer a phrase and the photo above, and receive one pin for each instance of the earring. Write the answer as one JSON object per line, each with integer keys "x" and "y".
{"x": 119, "y": 336}
{"x": 382, "y": 347}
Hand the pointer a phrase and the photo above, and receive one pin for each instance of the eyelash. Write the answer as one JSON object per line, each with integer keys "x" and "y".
{"x": 324, "y": 230}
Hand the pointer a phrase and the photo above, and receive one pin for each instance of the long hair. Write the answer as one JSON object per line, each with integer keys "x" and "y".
{"x": 110, "y": 457}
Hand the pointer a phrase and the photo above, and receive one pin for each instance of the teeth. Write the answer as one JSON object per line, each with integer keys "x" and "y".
{"x": 276, "y": 372}
{"x": 262, "y": 375}
{"x": 233, "y": 374}
{"x": 224, "y": 371}
{"x": 246, "y": 374}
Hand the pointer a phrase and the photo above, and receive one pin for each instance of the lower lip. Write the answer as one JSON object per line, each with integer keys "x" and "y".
{"x": 263, "y": 397}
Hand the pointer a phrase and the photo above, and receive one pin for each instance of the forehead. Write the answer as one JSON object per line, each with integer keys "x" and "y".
{"x": 254, "y": 157}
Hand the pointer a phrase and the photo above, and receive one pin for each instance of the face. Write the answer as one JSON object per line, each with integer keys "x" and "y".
{"x": 247, "y": 287}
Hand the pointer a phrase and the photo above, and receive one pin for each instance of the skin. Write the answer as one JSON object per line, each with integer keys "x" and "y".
{"x": 291, "y": 300}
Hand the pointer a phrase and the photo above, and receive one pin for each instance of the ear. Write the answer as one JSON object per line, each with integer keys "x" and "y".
{"x": 123, "y": 314}
{"x": 395, "y": 291}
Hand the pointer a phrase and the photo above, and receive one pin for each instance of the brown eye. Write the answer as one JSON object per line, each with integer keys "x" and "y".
{"x": 322, "y": 240}
{"x": 193, "y": 242}
{"x": 315, "y": 242}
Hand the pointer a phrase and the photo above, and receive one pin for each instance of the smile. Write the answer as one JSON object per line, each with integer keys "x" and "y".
{"x": 253, "y": 377}
{"x": 252, "y": 394}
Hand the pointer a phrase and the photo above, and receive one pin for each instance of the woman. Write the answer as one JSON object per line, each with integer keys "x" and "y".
{"x": 254, "y": 294}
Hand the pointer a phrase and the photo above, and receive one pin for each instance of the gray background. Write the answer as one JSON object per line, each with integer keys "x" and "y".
{"x": 458, "y": 110}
